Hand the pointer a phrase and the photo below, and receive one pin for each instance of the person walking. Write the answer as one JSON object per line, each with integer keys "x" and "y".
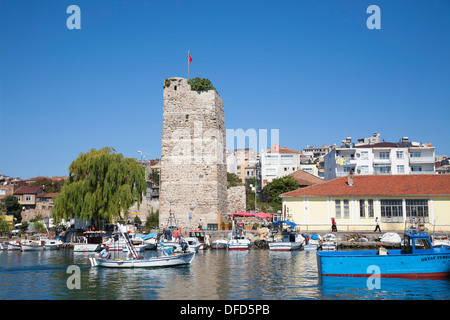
{"x": 378, "y": 225}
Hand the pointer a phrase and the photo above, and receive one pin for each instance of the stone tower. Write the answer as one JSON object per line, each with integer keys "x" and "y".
{"x": 193, "y": 161}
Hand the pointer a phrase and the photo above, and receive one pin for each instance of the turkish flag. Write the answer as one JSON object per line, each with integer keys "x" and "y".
{"x": 190, "y": 59}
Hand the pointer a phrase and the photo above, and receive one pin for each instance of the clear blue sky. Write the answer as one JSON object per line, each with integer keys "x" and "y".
{"x": 310, "y": 68}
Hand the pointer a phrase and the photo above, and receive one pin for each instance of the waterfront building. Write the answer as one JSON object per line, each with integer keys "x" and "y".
{"x": 356, "y": 200}
{"x": 369, "y": 157}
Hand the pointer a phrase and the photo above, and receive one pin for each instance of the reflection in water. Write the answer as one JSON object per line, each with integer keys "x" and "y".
{"x": 213, "y": 274}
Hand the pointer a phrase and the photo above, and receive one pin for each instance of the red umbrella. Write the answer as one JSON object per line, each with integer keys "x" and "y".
{"x": 263, "y": 215}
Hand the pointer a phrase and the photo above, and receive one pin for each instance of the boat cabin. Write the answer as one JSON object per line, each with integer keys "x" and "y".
{"x": 94, "y": 237}
{"x": 417, "y": 243}
{"x": 200, "y": 235}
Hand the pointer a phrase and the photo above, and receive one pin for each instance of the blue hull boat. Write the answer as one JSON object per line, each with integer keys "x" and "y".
{"x": 417, "y": 259}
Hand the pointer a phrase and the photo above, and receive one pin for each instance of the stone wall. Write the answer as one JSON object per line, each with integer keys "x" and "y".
{"x": 236, "y": 199}
{"x": 193, "y": 161}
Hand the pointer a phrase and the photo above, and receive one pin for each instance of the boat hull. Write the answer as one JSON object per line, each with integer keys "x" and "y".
{"x": 86, "y": 247}
{"x": 163, "y": 261}
{"x": 395, "y": 265}
{"x": 285, "y": 246}
{"x": 218, "y": 245}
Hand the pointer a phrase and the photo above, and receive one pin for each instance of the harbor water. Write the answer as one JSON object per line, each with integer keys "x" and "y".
{"x": 213, "y": 275}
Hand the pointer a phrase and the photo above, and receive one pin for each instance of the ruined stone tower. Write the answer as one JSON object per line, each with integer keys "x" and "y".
{"x": 193, "y": 161}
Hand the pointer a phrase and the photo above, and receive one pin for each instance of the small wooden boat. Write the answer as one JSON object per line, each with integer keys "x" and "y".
{"x": 161, "y": 261}
{"x": 136, "y": 261}
{"x": 417, "y": 259}
{"x": 219, "y": 244}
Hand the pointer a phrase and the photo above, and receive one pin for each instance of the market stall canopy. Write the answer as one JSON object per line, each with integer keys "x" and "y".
{"x": 243, "y": 214}
{"x": 263, "y": 215}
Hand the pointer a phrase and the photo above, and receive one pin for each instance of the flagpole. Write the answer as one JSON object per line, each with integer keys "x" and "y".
{"x": 188, "y": 64}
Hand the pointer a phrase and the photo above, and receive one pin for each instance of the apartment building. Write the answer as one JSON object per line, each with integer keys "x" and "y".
{"x": 242, "y": 157}
{"x": 278, "y": 162}
{"x": 374, "y": 157}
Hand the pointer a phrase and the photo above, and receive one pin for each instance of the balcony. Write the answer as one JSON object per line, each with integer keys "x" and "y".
{"x": 421, "y": 160}
{"x": 382, "y": 160}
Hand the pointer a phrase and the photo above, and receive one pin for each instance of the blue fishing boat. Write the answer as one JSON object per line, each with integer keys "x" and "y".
{"x": 417, "y": 259}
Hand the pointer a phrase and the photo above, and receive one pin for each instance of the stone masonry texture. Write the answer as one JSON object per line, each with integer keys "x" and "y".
{"x": 193, "y": 161}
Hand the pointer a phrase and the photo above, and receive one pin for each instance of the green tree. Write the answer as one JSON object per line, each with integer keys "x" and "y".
{"x": 100, "y": 185}
{"x": 201, "y": 84}
{"x": 233, "y": 180}
{"x": 278, "y": 186}
{"x": 154, "y": 176}
{"x": 12, "y": 206}
{"x": 4, "y": 225}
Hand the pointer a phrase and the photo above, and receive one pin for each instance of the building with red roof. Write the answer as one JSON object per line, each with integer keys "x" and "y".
{"x": 356, "y": 200}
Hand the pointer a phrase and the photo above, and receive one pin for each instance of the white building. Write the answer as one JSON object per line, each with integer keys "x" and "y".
{"x": 278, "y": 162}
{"x": 403, "y": 157}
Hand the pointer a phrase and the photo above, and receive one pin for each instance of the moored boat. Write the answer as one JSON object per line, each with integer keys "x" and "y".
{"x": 193, "y": 244}
{"x": 312, "y": 242}
{"x": 135, "y": 261}
{"x": 290, "y": 239}
{"x": 219, "y": 244}
{"x": 90, "y": 242}
{"x": 329, "y": 242}
{"x": 417, "y": 259}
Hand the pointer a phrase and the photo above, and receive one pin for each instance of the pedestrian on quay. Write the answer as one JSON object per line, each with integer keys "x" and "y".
{"x": 377, "y": 226}
{"x": 333, "y": 225}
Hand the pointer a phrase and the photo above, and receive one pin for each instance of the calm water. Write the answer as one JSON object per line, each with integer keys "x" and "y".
{"x": 213, "y": 274}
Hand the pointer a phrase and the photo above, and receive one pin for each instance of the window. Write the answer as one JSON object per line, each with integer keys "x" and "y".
{"x": 416, "y": 168}
{"x": 27, "y": 198}
{"x": 348, "y": 169}
{"x": 364, "y": 155}
{"x": 417, "y": 208}
{"x": 400, "y": 169}
{"x": 421, "y": 244}
{"x": 287, "y": 159}
{"x": 370, "y": 207}
{"x": 346, "y": 209}
{"x": 271, "y": 159}
{"x": 337, "y": 204}
{"x": 362, "y": 208}
{"x": 382, "y": 169}
{"x": 270, "y": 171}
{"x": 415, "y": 154}
{"x": 384, "y": 155}
{"x": 364, "y": 169}
{"x": 391, "y": 210}
{"x": 399, "y": 154}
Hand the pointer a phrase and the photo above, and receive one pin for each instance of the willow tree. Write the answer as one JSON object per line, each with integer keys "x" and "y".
{"x": 101, "y": 184}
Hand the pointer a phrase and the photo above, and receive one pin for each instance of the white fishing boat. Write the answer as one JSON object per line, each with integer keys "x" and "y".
{"x": 161, "y": 261}
{"x": 193, "y": 244}
{"x": 90, "y": 242}
{"x": 290, "y": 239}
{"x": 202, "y": 237}
{"x": 139, "y": 244}
{"x": 135, "y": 261}
{"x": 4, "y": 245}
{"x": 312, "y": 242}
{"x": 238, "y": 241}
{"x": 151, "y": 243}
{"x": 40, "y": 244}
{"x": 441, "y": 241}
{"x": 329, "y": 242}
{"x": 14, "y": 245}
{"x": 219, "y": 244}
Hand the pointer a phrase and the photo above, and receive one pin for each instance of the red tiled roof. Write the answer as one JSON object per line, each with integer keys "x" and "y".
{"x": 305, "y": 178}
{"x": 48, "y": 195}
{"x": 283, "y": 150}
{"x": 27, "y": 190}
{"x": 379, "y": 185}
